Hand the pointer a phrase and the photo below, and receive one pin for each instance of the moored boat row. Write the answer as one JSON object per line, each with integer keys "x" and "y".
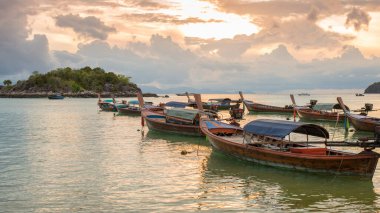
{"x": 269, "y": 142}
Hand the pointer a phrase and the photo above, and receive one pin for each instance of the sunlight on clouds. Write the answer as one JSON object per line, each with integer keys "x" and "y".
{"x": 218, "y": 30}
{"x": 336, "y": 24}
{"x": 366, "y": 40}
{"x": 232, "y": 24}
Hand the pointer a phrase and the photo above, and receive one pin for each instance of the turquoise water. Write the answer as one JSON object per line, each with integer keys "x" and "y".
{"x": 65, "y": 156}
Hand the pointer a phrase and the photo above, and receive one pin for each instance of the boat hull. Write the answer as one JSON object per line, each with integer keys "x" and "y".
{"x": 317, "y": 115}
{"x": 56, "y": 97}
{"x": 362, "y": 124}
{"x": 107, "y": 107}
{"x": 161, "y": 126}
{"x": 363, "y": 165}
{"x": 128, "y": 111}
{"x": 255, "y": 107}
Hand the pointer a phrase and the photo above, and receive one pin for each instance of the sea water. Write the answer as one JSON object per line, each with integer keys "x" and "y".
{"x": 66, "y": 156}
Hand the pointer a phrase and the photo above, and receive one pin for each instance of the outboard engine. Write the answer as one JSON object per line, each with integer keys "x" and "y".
{"x": 236, "y": 112}
{"x": 313, "y": 103}
{"x": 368, "y": 106}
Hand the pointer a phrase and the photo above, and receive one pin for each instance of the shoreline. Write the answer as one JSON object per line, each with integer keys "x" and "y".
{"x": 74, "y": 95}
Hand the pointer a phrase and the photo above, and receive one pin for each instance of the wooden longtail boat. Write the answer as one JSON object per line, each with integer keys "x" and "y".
{"x": 110, "y": 105}
{"x": 323, "y": 112}
{"x": 133, "y": 108}
{"x": 214, "y": 103}
{"x": 175, "y": 120}
{"x": 263, "y": 141}
{"x": 360, "y": 122}
{"x": 256, "y": 107}
{"x": 57, "y": 96}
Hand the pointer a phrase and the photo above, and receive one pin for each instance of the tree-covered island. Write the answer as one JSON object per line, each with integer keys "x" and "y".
{"x": 84, "y": 82}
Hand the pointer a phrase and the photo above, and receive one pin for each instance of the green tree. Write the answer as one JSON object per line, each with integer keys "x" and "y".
{"x": 7, "y": 82}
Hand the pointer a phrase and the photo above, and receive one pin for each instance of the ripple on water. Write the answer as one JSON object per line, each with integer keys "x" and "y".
{"x": 65, "y": 156}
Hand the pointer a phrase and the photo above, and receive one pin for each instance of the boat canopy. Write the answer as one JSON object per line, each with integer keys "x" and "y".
{"x": 188, "y": 114}
{"x": 108, "y": 101}
{"x": 176, "y": 104}
{"x": 135, "y": 102}
{"x": 280, "y": 129}
{"x": 220, "y": 99}
{"x": 218, "y": 124}
{"x": 327, "y": 106}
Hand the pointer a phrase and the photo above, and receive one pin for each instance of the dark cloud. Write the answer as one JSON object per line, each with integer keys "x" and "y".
{"x": 313, "y": 14}
{"x": 358, "y": 18}
{"x": 88, "y": 26}
{"x": 147, "y": 4}
{"x": 18, "y": 54}
{"x": 164, "y": 18}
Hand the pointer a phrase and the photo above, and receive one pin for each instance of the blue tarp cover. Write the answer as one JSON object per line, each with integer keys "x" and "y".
{"x": 280, "y": 129}
{"x": 218, "y": 124}
{"x": 188, "y": 114}
{"x": 135, "y": 102}
{"x": 176, "y": 104}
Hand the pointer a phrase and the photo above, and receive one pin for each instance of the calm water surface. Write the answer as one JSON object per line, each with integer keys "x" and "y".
{"x": 65, "y": 156}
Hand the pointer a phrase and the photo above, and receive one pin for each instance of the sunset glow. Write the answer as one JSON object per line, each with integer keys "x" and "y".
{"x": 134, "y": 37}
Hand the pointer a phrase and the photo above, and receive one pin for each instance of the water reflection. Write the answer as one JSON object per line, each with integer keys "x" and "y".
{"x": 260, "y": 186}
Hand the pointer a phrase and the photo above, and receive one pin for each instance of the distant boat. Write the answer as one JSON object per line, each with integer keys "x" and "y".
{"x": 359, "y": 94}
{"x": 57, "y": 96}
{"x": 303, "y": 94}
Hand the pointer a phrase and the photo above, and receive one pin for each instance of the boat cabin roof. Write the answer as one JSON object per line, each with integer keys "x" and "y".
{"x": 188, "y": 114}
{"x": 327, "y": 106}
{"x": 280, "y": 129}
{"x": 176, "y": 104}
{"x": 220, "y": 99}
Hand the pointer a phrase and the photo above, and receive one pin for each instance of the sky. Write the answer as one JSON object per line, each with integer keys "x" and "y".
{"x": 205, "y": 45}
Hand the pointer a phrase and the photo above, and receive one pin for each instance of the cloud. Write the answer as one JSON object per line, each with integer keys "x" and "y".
{"x": 163, "y": 63}
{"x": 88, "y": 26}
{"x": 313, "y": 14}
{"x": 18, "y": 54}
{"x": 148, "y": 4}
{"x": 299, "y": 34}
{"x": 165, "y": 18}
{"x": 358, "y": 18}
